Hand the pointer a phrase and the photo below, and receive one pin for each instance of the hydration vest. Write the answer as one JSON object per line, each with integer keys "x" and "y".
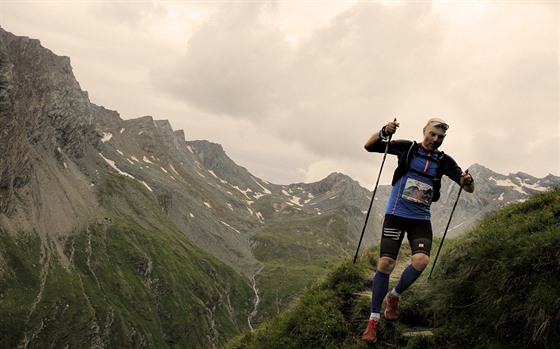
{"x": 404, "y": 167}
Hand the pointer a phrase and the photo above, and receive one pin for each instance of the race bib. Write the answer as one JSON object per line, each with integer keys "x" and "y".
{"x": 417, "y": 191}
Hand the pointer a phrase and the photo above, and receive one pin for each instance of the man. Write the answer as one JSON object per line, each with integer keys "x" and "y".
{"x": 416, "y": 184}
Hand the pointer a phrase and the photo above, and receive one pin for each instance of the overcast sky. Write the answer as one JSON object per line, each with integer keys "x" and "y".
{"x": 293, "y": 89}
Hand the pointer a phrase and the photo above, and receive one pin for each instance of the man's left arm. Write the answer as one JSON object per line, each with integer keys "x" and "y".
{"x": 454, "y": 172}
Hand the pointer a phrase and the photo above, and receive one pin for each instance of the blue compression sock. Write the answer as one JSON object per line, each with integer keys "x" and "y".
{"x": 408, "y": 277}
{"x": 378, "y": 290}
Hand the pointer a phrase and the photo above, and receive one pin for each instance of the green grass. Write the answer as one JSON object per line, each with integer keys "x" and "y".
{"x": 323, "y": 317}
{"x": 118, "y": 284}
{"x": 502, "y": 281}
{"x": 296, "y": 254}
{"x": 19, "y": 281}
{"x": 497, "y": 286}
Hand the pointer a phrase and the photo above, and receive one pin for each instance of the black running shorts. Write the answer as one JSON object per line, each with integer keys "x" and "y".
{"x": 419, "y": 233}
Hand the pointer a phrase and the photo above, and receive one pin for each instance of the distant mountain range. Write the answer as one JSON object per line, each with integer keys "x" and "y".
{"x": 68, "y": 166}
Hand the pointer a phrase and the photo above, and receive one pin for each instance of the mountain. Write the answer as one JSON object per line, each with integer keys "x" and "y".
{"x": 123, "y": 233}
{"x": 493, "y": 192}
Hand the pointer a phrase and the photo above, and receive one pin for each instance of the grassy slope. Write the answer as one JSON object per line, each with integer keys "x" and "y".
{"x": 293, "y": 259}
{"x": 497, "y": 286}
{"x": 127, "y": 284}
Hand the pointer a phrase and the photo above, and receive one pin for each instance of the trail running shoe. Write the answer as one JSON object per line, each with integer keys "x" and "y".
{"x": 392, "y": 309}
{"x": 370, "y": 334}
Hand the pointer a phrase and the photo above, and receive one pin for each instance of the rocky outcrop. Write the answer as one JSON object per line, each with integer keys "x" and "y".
{"x": 46, "y": 125}
{"x": 14, "y": 147}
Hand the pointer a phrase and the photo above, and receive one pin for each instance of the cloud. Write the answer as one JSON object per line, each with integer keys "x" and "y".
{"x": 317, "y": 92}
{"x": 293, "y": 90}
{"x": 233, "y": 65}
{"x": 137, "y": 15}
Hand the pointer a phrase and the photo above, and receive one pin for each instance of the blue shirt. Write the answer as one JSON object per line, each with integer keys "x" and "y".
{"x": 412, "y": 194}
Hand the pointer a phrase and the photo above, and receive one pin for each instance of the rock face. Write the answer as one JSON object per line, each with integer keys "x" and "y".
{"x": 66, "y": 163}
{"x": 47, "y": 124}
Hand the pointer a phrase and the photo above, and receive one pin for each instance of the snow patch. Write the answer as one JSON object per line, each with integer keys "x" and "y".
{"x": 145, "y": 159}
{"x": 295, "y": 200}
{"x": 243, "y": 191}
{"x": 229, "y": 226}
{"x": 218, "y": 178}
{"x": 258, "y": 195}
{"x": 535, "y": 186}
{"x": 147, "y": 186}
{"x": 112, "y": 164}
{"x": 458, "y": 225}
{"x": 266, "y": 191}
{"x": 507, "y": 183}
{"x": 207, "y": 204}
{"x": 106, "y": 137}
{"x": 164, "y": 170}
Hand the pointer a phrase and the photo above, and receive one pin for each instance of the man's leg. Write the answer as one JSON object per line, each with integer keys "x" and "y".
{"x": 420, "y": 237}
{"x": 409, "y": 275}
{"x": 391, "y": 240}
{"x": 380, "y": 284}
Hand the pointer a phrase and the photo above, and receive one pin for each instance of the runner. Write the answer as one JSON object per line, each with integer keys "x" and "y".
{"x": 416, "y": 184}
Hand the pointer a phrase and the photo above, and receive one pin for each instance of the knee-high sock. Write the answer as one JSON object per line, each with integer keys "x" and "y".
{"x": 378, "y": 290}
{"x": 408, "y": 277}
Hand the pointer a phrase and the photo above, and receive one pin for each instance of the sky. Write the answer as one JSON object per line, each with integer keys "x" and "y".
{"x": 293, "y": 89}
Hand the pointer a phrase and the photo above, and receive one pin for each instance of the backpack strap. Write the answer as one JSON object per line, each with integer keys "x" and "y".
{"x": 404, "y": 162}
{"x": 440, "y": 170}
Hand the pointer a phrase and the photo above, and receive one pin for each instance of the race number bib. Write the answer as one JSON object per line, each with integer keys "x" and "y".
{"x": 417, "y": 191}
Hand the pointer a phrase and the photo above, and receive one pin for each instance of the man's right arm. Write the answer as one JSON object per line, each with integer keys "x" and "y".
{"x": 374, "y": 142}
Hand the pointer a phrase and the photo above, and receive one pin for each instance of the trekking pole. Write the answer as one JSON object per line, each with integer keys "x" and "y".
{"x": 373, "y": 196}
{"x": 446, "y": 228}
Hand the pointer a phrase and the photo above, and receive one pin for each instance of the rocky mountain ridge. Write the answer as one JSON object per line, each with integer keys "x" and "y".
{"x": 61, "y": 154}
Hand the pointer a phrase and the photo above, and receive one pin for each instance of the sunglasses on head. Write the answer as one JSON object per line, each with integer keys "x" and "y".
{"x": 441, "y": 125}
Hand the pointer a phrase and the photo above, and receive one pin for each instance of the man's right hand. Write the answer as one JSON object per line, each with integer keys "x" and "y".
{"x": 391, "y": 127}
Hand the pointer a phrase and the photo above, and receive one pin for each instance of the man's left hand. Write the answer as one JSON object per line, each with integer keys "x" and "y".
{"x": 466, "y": 179}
